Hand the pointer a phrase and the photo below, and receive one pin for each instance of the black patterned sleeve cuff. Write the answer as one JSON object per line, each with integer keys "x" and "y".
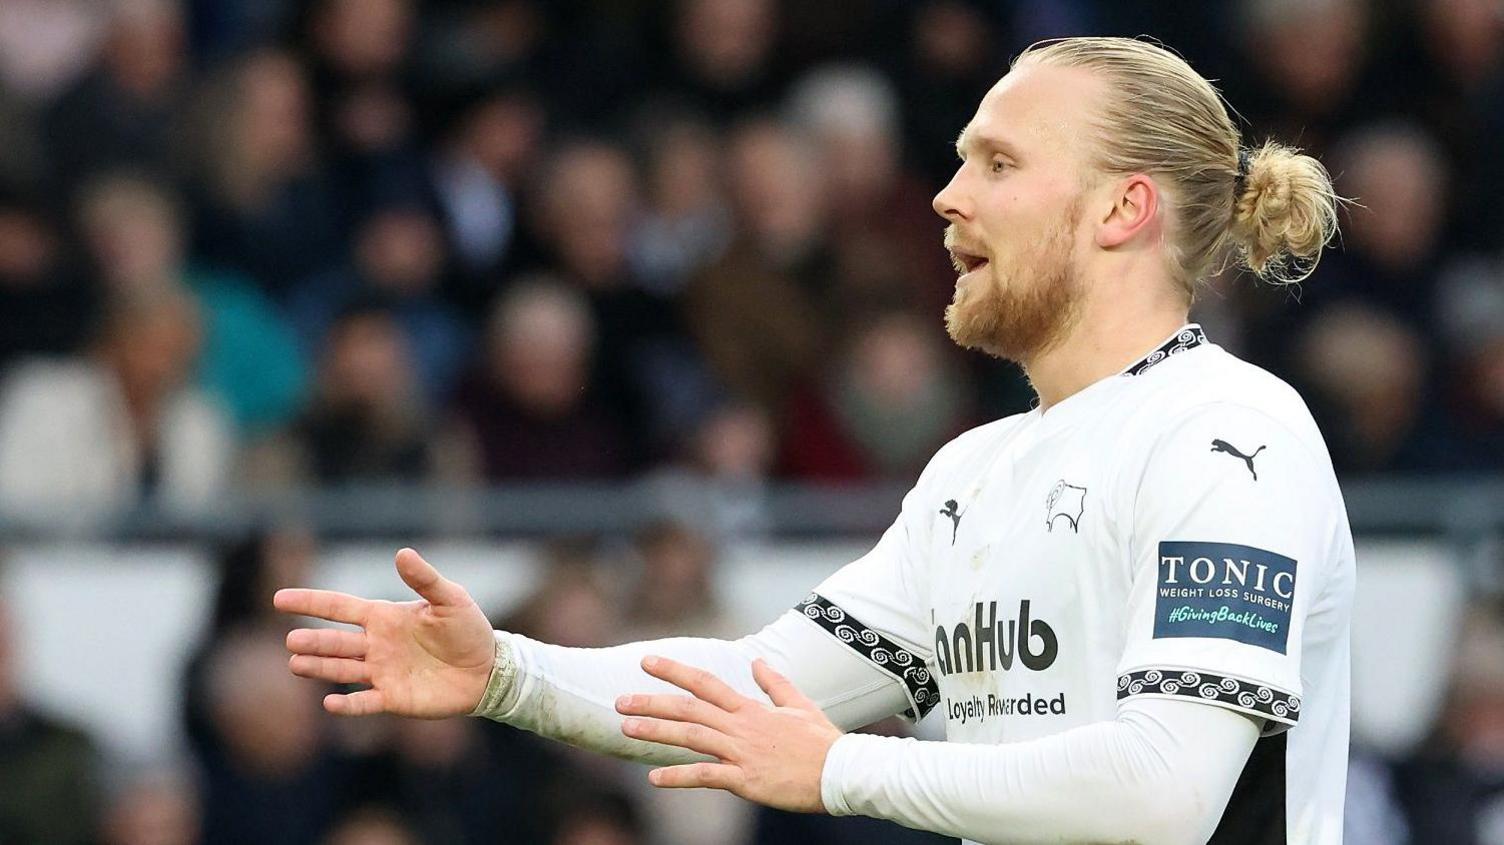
{"x": 904, "y": 665}
{"x": 1281, "y": 708}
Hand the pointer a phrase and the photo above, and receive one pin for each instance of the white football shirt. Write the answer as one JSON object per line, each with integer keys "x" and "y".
{"x": 1175, "y": 531}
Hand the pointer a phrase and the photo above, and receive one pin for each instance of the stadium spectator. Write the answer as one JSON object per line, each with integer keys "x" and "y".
{"x": 571, "y": 606}
{"x": 368, "y": 421}
{"x": 373, "y": 826}
{"x": 464, "y": 42}
{"x": 685, "y": 223}
{"x": 1365, "y": 369}
{"x": 530, "y": 409}
{"x": 398, "y": 260}
{"x": 1310, "y": 71}
{"x": 263, "y": 204}
{"x": 1471, "y": 318}
{"x": 674, "y": 593}
{"x": 127, "y": 111}
{"x": 487, "y": 140}
{"x": 952, "y": 58}
{"x": 46, "y": 45}
{"x": 884, "y": 242}
{"x": 755, "y": 312}
{"x": 250, "y": 362}
{"x": 359, "y": 54}
{"x": 46, "y": 306}
{"x": 1391, "y": 246}
{"x": 83, "y": 439}
{"x": 599, "y": 818}
{"x": 153, "y": 807}
{"x": 891, "y": 401}
{"x": 587, "y": 205}
{"x": 270, "y": 777}
{"x": 721, "y": 485}
{"x": 247, "y": 570}
{"x": 49, "y": 769}
{"x": 1452, "y": 788}
{"x": 452, "y": 785}
{"x": 722, "y": 61}
{"x": 1455, "y": 89}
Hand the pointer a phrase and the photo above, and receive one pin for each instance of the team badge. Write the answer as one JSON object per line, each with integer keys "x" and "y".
{"x": 1066, "y": 501}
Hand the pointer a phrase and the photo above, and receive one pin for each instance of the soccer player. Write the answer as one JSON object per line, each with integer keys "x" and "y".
{"x": 1130, "y": 604}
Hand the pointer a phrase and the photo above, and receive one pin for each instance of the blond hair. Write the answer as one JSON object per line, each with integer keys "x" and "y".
{"x": 1270, "y": 208}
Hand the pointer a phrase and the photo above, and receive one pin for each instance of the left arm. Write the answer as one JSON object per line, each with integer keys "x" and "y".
{"x": 1162, "y": 771}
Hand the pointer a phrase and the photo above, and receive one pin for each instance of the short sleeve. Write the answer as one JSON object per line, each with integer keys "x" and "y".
{"x": 872, "y": 605}
{"x": 1231, "y": 542}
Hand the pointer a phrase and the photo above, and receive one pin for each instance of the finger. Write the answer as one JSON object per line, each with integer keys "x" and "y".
{"x": 779, "y": 688}
{"x": 678, "y": 708}
{"x": 698, "y": 682}
{"x": 364, "y": 702}
{"x": 339, "y": 670}
{"x": 694, "y": 775}
{"x": 325, "y": 604}
{"x": 427, "y": 582}
{"x": 694, "y": 737}
{"x": 327, "y": 642}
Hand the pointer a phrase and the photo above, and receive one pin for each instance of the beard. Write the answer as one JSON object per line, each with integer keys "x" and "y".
{"x": 1022, "y": 306}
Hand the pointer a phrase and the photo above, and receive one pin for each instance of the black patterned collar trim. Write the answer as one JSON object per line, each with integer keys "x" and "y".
{"x": 1190, "y": 336}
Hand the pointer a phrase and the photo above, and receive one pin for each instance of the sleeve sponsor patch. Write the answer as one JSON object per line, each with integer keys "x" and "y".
{"x": 1224, "y": 590}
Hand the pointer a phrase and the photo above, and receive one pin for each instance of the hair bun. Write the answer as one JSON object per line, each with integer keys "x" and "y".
{"x": 1284, "y": 214}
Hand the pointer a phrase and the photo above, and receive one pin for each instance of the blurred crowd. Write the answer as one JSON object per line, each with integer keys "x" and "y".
{"x": 260, "y": 245}
{"x": 263, "y": 763}
{"x": 263, "y": 244}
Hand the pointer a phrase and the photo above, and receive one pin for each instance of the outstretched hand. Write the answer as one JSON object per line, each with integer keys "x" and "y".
{"x": 772, "y": 755}
{"x": 429, "y": 658}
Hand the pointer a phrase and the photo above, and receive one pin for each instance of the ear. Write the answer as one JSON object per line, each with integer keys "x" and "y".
{"x": 1134, "y": 209}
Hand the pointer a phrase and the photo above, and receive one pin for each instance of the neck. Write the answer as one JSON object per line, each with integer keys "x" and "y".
{"x": 1106, "y": 339}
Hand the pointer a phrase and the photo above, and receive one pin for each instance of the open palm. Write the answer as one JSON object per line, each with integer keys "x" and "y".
{"x": 430, "y": 658}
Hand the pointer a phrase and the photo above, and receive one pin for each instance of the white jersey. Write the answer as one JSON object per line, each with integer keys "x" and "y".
{"x": 1176, "y": 532}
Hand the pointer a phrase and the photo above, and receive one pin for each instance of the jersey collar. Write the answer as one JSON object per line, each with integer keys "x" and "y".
{"x": 1187, "y": 337}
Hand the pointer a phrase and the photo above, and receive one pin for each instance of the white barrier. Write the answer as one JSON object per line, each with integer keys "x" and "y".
{"x": 102, "y": 631}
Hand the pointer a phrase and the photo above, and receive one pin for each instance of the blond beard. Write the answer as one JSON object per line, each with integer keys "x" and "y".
{"x": 1008, "y": 315}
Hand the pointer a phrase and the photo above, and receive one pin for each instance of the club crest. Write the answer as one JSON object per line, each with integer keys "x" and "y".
{"x": 1065, "y": 501}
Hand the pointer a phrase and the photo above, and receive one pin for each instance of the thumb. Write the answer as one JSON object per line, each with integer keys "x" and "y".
{"x": 427, "y": 582}
{"x": 780, "y": 689}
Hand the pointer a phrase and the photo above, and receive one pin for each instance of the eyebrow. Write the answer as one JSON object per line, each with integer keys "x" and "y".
{"x": 985, "y": 141}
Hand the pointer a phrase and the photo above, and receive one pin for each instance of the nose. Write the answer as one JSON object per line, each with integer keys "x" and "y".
{"x": 949, "y": 203}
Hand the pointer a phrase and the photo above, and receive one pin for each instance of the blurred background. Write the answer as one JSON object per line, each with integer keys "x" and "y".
{"x": 627, "y": 314}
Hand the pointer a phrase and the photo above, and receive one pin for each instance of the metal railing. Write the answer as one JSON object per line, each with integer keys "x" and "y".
{"x": 1468, "y": 510}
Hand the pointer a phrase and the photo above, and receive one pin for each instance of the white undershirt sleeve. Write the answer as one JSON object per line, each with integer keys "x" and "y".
{"x": 1161, "y": 772}
{"x": 569, "y": 694}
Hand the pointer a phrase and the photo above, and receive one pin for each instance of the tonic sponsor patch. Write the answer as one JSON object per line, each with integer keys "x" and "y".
{"x": 1224, "y": 590}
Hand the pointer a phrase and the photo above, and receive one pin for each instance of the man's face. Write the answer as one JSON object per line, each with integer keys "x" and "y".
{"x": 1015, "y": 207}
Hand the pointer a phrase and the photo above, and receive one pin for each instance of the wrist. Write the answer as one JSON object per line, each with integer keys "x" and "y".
{"x": 833, "y": 774}
{"x": 500, "y": 694}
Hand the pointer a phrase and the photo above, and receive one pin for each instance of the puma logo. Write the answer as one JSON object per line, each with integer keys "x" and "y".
{"x": 1224, "y": 446}
{"x": 951, "y": 510}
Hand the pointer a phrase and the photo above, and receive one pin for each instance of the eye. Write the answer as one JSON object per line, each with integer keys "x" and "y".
{"x": 998, "y": 166}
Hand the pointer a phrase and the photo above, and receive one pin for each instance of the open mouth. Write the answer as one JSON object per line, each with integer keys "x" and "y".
{"x": 965, "y": 262}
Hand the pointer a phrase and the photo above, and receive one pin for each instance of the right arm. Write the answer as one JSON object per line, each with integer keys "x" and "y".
{"x": 856, "y": 647}
{"x": 569, "y": 694}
